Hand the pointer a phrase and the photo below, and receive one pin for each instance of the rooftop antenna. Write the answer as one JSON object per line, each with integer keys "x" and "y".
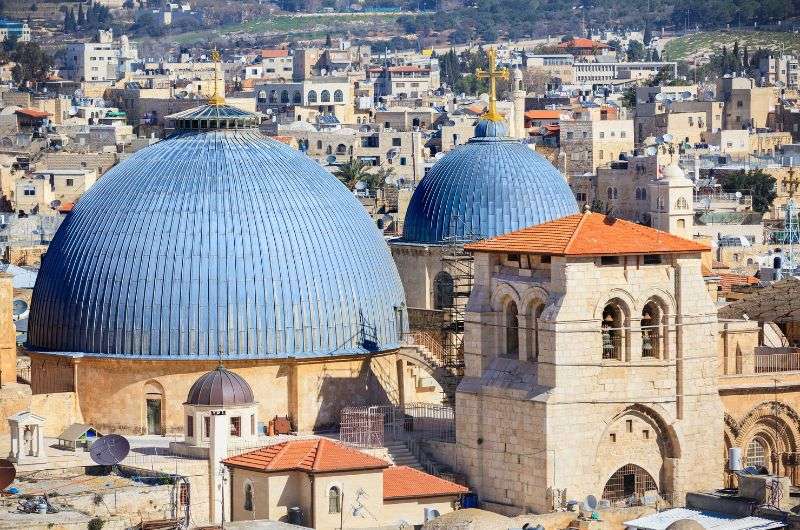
{"x": 791, "y": 227}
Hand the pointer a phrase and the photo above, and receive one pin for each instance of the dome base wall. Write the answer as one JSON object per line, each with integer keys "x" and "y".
{"x": 113, "y": 394}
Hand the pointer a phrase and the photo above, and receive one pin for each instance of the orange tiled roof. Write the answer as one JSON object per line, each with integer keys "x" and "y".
{"x": 66, "y": 207}
{"x": 33, "y": 113}
{"x": 318, "y": 455}
{"x": 543, "y": 114}
{"x": 727, "y": 280}
{"x": 402, "y": 482}
{"x": 587, "y": 234}
{"x": 272, "y": 54}
{"x": 580, "y": 42}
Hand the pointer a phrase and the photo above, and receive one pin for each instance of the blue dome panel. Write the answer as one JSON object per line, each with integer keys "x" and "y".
{"x": 487, "y": 187}
{"x": 219, "y": 245}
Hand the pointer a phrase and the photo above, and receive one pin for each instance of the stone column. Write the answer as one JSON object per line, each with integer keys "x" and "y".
{"x": 217, "y": 452}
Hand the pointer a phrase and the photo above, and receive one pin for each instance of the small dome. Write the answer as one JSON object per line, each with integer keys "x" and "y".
{"x": 220, "y": 387}
{"x": 491, "y": 129}
{"x": 685, "y": 524}
{"x": 675, "y": 175}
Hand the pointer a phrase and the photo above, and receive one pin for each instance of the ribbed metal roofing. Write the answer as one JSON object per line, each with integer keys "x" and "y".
{"x": 218, "y": 244}
{"x": 220, "y": 387}
{"x": 487, "y": 187}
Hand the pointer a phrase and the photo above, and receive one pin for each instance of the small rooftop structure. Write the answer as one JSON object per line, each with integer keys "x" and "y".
{"x": 403, "y": 482}
{"x": 588, "y": 234}
{"x": 78, "y": 434}
{"x": 686, "y": 519}
{"x": 778, "y": 302}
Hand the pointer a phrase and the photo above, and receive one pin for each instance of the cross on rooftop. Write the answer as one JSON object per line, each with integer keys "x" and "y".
{"x": 216, "y": 98}
{"x": 492, "y": 74}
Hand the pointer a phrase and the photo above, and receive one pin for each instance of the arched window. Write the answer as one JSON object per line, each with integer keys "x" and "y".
{"x": 334, "y": 500}
{"x": 442, "y": 291}
{"x": 644, "y": 194}
{"x": 681, "y": 223}
{"x": 613, "y": 330}
{"x": 682, "y": 204}
{"x": 415, "y": 122}
{"x": 610, "y": 193}
{"x": 653, "y": 330}
{"x": 512, "y": 330}
{"x": 535, "y": 314}
{"x": 638, "y": 194}
{"x": 284, "y": 96}
{"x": 341, "y": 149}
{"x": 312, "y": 96}
{"x": 248, "y": 496}
{"x": 297, "y": 98}
{"x": 325, "y": 96}
{"x": 616, "y": 196}
{"x": 338, "y": 96}
{"x": 757, "y": 453}
{"x": 262, "y": 96}
{"x": 628, "y": 481}
{"x": 329, "y": 150}
{"x": 273, "y": 96}
{"x": 319, "y": 144}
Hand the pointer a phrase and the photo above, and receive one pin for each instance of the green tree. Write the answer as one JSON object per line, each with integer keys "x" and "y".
{"x": 352, "y": 172}
{"x": 648, "y": 34}
{"x": 33, "y": 63}
{"x": 629, "y": 98}
{"x": 34, "y": 7}
{"x": 635, "y": 51}
{"x": 759, "y": 184}
{"x": 81, "y": 15}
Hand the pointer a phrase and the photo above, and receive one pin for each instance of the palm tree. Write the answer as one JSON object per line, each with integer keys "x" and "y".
{"x": 351, "y": 172}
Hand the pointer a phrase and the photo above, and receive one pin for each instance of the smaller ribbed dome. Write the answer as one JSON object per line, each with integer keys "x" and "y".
{"x": 220, "y": 387}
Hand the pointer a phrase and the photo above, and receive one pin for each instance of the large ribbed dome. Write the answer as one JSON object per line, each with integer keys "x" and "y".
{"x": 490, "y": 186}
{"x": 219, "y": 244}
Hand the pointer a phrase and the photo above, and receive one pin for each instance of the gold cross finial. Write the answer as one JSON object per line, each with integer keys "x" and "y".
{"x": 216, "y": 98}
{"x": 492, "y": 74}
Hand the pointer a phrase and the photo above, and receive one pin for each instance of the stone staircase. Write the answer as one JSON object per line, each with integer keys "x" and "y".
{"x": 400, "y": 455}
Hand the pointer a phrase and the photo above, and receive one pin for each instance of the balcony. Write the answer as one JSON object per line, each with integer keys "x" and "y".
{"x": 767, "y": 360}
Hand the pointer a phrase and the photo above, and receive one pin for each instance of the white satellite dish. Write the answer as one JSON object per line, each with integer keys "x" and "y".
{"x": 668, "y": 138}
{"x": 659, "y": 97}
{"x": 651, "y": 151}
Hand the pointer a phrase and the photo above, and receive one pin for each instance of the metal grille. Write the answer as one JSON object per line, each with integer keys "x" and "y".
{"x": 756, "y": 453}
{"x": 370, "y": 427}
{"x": 628, "y": 481}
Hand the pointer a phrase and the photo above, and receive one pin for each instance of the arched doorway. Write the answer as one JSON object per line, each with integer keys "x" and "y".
{"x": 629, "y": 480}
{"x": 154, "y": 408}
{"x": 443, "y": 291}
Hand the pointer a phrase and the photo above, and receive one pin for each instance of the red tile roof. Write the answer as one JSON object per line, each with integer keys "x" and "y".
{"x": 33, "y": 113}
{"x": 318, "y": 455}
{"x": 402, "y": 482}
{"x": 543, "y": 114}
{"x": 727, "y": 280}
{"x": 581, "y": 43}
{"x": 587, "y": 234}
{"x": 66, "y": 207}
{"x": 273, "y": 54}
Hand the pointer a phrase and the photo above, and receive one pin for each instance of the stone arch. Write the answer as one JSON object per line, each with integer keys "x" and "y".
{"x": 533, "y": 304}
{"x": 501, "y": 293}
{"x": 621, "y": 294}
{"x": 338, "y": 96}
{"x": 638, "y": 435}
{"x": 777, "y": 425}
{"x": 443, "y": 287}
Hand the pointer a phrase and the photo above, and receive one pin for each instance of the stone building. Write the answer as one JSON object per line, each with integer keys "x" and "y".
{"x": 590, "y": 366}
{"x": 591, "y": 141}
{"x": 746, "y": 105}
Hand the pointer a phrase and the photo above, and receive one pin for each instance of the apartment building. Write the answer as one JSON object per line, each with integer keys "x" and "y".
{"x": 587, "y": 143}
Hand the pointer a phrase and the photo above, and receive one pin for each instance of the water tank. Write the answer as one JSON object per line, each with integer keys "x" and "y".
{"x": 735, "y": 459}
{"x": 430, "y": 514}
{"x": 296, "y": 515}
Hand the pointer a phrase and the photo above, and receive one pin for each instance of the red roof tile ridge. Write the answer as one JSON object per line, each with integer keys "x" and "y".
{"x": 583, "y": 218}
{"x": 274, "y": 460}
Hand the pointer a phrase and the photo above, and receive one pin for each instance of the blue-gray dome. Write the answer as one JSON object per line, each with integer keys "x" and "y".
{"x": 491, "y": 128}
{"x": 217, "y": 244}
{"x": 487, "y": 187}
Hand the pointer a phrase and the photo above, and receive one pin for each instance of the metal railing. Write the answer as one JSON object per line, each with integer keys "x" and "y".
{"x": 785, "y": 361}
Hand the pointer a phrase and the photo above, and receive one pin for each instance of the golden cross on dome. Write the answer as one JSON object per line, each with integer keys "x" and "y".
{"x": 492, "y": 74}
{"x": 216, "y": 98}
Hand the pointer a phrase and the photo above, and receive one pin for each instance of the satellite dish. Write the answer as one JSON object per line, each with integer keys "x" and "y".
{"x": 668, "y": 138}
{"x": 330, "y": 159}
{"x": 650, "y": 140}
{"x": 7, "y": 473}
{"x": 659, "y": 97}
{"x": 110, "y": 450}
{"x": 651, "y": 151}
{"x": 19, "y": 307}
{"x": 686, "y": 95}
{"x": 55, "y": 204}
{"x": 391, "y": 154}
{"x": 659, "y": 140}
{"x": 738, "y": 194}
